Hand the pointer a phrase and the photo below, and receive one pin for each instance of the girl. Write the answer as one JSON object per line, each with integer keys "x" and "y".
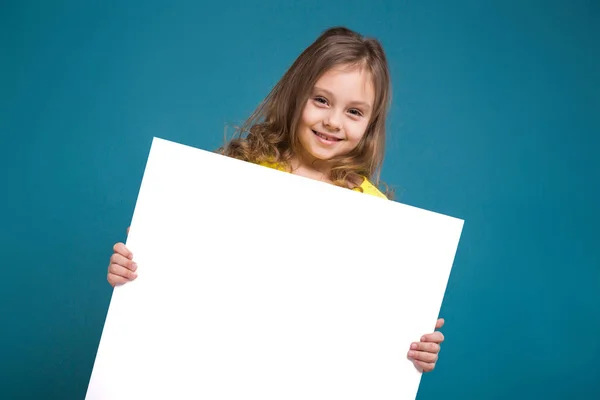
{"x": 324, "y": 120}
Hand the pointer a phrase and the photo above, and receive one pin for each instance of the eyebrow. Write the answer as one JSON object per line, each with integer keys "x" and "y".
{"x": 357, "y": 103}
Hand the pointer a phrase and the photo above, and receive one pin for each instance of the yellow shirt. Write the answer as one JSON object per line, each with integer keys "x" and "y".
{"x": 366, "y": 186}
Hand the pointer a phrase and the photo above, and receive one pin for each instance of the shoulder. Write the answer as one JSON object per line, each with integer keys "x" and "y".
{"x": 368, "y": 188}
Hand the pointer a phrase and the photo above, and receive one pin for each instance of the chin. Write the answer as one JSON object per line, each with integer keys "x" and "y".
{"x": 320, "y": 155}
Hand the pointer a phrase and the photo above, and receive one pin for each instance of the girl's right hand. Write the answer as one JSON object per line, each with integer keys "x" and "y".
{"x": 121, "y": 268}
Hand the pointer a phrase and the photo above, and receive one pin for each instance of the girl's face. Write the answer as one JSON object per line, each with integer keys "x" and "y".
{"x": 337, "y": 113}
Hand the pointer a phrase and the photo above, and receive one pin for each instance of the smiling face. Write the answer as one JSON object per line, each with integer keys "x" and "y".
{"x": 337, "y": 114}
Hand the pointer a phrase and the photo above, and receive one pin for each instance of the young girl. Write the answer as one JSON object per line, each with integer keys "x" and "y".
{"x": 324, "y": 120}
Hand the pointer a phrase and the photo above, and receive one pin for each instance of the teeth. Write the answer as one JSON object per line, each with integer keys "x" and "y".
{"x": 325, "y": 137}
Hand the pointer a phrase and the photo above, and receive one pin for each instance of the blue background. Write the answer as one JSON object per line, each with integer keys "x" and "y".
{"x": 495, "y": 120}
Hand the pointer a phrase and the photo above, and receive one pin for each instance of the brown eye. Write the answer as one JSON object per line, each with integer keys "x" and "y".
{"x": 356, "y": 112}
{"x": 321, "y": 100}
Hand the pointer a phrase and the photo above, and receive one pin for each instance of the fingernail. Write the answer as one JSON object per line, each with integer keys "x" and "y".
{"x": 413, "y": 346}
{"x": 135, "y": 275}
{"x": 423, "y": 338}
{"x": 411, "y": 353}
{"x": 134, "y": 266}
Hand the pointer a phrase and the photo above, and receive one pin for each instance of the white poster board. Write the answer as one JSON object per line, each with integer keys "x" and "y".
{"x": 258, "y": 284}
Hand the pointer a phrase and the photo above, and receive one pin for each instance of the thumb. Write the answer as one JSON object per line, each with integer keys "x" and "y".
{"x": 128, "y": 230}
{"x": 440, "y": 323}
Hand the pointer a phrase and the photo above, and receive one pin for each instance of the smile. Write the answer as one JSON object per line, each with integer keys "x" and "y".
{"x": 326, "y": 138}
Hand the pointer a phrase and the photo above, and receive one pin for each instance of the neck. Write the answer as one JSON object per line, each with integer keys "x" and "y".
{"x": 310, "y": 167}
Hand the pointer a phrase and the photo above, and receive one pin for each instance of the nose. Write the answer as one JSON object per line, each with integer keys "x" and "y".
{"x": 332, "y": 121}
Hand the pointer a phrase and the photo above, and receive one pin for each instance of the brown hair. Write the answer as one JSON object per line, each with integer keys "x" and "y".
{"x": 269, "y": 134}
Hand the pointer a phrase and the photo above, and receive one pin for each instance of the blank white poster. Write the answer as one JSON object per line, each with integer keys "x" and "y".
{"x": 258, "y": 284}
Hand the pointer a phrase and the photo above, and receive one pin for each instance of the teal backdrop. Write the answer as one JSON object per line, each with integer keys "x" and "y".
{"x": 495, "y": 120}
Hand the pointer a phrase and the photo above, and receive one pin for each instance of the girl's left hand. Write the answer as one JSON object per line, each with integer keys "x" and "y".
{"x": 424, "y": 354}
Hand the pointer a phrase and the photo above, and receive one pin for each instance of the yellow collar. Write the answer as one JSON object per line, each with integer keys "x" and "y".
{"x": 366, "y": 186}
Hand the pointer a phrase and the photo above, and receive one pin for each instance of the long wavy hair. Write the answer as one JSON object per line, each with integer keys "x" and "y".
{"x": 269, "y": 134}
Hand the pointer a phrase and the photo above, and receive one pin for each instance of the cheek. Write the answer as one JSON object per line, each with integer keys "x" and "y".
{"x": 311, "y": 115}
{"x": 356, "y": 131}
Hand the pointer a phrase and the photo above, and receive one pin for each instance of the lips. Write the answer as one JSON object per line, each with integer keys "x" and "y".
{"x": 326, "y": 137}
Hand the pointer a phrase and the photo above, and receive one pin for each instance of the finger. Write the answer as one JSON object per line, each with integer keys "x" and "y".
{"x": 423, "y": 356}
{"x": 440, "y": 323}
{"x": 435, "y": 337}
{"x": 128, "y": 229}
{"x": 122, "y": 261}
{"x": 122, "y": 250}
{"x": 116, "y": 280}
{"x": 424, "y": 366}
{"x": 123, "y": 272}
{"x": 426, "y": 346}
